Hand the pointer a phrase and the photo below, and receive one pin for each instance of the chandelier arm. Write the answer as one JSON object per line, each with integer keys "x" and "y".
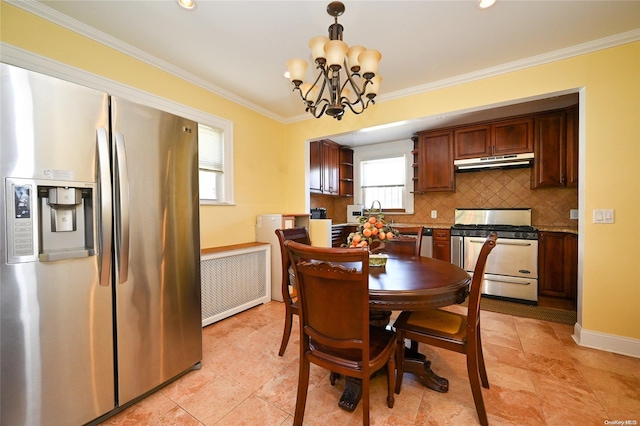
{"x": 324, "y": 103}
{"x": 360, "y": 103}
{"x": 354, "y": 85}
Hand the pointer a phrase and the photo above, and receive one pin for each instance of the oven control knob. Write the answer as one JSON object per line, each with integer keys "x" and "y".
{"x": 519, "y": 235}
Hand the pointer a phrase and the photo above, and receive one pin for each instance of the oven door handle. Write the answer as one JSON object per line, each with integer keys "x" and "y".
{"x": 523, "y": 282}
{"x": 505, "y": 242}
{"x": 510, "y": 280}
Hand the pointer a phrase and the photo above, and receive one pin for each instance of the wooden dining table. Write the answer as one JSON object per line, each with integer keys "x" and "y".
{"x": 411, "y": 283}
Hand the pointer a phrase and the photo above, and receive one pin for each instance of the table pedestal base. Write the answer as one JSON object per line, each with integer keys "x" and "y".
{"x": 351, "y": 395}
{"x": 426, "y": 376}
{"x": 414, "y": 363}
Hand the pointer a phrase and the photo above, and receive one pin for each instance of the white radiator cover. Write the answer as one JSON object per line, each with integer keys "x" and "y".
{"x": 234, "y": 281}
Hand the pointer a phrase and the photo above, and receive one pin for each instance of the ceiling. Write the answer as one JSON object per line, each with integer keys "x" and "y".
{"x": 239, "y": 48}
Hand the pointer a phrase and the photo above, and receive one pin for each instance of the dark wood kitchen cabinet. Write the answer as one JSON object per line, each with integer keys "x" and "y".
{"x": 324, "y": 159}
{"x": 556, "y": 149}
{"x": 442, "y": 244}
{"x": 433, "y": 162}
{"x": 513, "y": 136}
{"x": 558, "y": 264}
{"x": 572, "y": 147}
{"x": 346, "y": 172}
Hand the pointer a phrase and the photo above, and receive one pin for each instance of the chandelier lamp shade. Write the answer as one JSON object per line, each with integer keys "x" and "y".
{"x": 347, "y": 76}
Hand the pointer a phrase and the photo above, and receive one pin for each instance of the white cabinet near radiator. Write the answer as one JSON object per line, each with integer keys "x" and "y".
{"x": 266, "y": 225}
{"x": 234, "y": 279}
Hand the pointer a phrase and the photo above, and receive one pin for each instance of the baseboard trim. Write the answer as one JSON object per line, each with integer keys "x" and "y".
{"x": 606, "y": 342}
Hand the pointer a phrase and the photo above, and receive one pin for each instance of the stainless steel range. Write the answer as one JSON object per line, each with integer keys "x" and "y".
{"x": 512, "y": 267}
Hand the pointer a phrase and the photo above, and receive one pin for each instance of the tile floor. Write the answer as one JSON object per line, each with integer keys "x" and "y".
{"x": 538, "y": 376}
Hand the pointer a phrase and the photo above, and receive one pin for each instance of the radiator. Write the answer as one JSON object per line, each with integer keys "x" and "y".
{"x": 234, "y": 280}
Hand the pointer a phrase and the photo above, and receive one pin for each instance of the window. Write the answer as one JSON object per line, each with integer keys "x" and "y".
{"x": 211, "y": 162}
{"x": 383, "y": 180}
{"x": 215, "y": 164}
{"x": 383, "y": 173}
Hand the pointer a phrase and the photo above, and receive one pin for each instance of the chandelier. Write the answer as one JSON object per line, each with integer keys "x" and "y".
{"x": 333, "y": 90}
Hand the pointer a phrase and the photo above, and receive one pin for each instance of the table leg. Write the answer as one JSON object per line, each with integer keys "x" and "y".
{"x": 416, "y": 363}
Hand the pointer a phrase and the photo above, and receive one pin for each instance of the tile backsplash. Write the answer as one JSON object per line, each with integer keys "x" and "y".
{"x": 483, "y": 189}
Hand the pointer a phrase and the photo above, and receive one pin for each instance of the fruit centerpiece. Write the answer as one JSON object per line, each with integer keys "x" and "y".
{"x": 371, "y": 230}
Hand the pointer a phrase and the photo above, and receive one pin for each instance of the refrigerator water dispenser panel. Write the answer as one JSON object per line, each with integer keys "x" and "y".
{"x": 49, "y": 220}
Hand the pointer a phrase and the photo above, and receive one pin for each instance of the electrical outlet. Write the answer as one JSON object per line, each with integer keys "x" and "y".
{"x": 603, "y": 216}
{"x": 434, "y": 214}
{"x": 573, "y": 214}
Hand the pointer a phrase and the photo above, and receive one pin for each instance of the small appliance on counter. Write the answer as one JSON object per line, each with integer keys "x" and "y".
{"x": 353, "y": 212}
{"x": 319, "y": 213}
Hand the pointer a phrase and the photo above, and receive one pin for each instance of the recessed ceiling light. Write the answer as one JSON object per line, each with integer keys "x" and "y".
{"x": 187, "y": 4}
{"x": 484, "y": 4}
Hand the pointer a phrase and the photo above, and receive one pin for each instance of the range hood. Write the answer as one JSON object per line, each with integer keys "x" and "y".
{"x": 494, "y": 162}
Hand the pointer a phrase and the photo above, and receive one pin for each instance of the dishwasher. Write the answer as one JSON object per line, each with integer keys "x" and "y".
{"x": 426, "y": 249}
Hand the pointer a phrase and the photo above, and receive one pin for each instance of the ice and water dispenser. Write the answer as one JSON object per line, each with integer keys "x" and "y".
{"x": 49, "y": 220}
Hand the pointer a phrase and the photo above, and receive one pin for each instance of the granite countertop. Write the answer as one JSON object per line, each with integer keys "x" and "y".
{"x": 447, "y": 226}
{"x": 557, "y": 229}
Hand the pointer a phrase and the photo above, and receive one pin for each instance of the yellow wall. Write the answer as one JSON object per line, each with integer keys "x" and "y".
{"x": 270, "y": 157}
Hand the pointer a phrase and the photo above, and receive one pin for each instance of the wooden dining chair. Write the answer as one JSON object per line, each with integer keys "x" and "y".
{"x": 452, "y": 331}
{"x": 333, "y": 305}
{"x": 289, "y": 290}
{"x": 409, "y": 241}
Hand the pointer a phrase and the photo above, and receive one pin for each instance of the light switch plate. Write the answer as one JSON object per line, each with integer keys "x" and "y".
{"x": 603, "y": 216}
{"x": 434, "y": 214}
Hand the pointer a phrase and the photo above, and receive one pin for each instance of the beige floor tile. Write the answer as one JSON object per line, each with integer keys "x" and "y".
{"x": 510, "y": 405}
{"x": 254, "y": 411}
{"x": 618, "y": 394}
{"x": 212, "y": 403}
{"x": 562, "y": 371}
{"x": 177, "y": 417}
{"x": 537, "y": 373}
{"x": 146, "y": 412}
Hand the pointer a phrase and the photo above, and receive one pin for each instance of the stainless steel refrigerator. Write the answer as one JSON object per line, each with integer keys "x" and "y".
{"x": 99, "y": 250}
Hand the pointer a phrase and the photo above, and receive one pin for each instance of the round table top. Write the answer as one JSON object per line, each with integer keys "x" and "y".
{"x": 413, "y": 283}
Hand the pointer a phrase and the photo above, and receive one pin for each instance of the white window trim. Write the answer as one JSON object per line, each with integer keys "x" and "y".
{"x": 384, "y": 150}
{"x": 22, "y": 58}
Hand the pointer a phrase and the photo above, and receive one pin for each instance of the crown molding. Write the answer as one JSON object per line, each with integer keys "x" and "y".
{"x": 58, "y": 18}
{"x": 64, "y": 21}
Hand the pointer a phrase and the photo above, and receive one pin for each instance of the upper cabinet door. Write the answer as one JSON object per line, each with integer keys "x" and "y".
{"x": 472, "y": 142}
{"x": 572, "y": 147}
{"x": 512, "y": 136}
{"x": 435, "y": 170}
{"x": 315, "y": 167}
{"x": 331, "y": 167}
{"x": 549, "y": 167}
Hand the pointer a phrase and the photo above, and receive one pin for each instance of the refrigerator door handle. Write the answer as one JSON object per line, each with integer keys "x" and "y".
{"x": 106, "y": 206}
{"x": 122, "y": 214}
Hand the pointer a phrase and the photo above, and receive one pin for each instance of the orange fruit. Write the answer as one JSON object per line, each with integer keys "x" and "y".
{"x": 356, "y": 238}
{"x": 389, "y": 235}
{"x": 374, "y": 231}
{"x": 372, "y": 220}
{"x": 379, "y": 225}
{"x": 366, "y": 232}
{"x": 382, "y": 236}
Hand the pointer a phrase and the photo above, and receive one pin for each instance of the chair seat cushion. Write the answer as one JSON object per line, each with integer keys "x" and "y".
{"x": 380, "y": 341}
{"x": 434, "y": 322}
